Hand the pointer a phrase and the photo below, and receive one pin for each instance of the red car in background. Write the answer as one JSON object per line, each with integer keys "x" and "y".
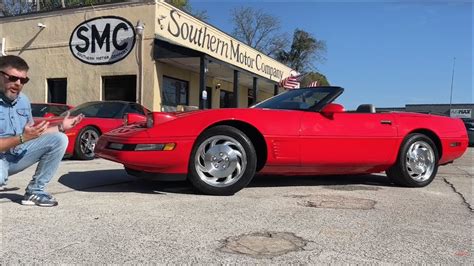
{"x": 49, "y": 109}
{"x": 100, "y": 117}
{"x": 297, "y": 132}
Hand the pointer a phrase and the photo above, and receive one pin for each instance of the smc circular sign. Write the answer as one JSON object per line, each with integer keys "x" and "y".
{"x": 101, "y": 41}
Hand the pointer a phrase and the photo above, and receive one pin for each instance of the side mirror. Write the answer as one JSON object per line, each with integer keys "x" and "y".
{"x": 332, "y": 108}
{"x": 133, "y": 119}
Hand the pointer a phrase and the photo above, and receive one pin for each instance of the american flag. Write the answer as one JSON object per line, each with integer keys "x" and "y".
{"x": 313, "y": 84}
{"x": 291, "y": 82}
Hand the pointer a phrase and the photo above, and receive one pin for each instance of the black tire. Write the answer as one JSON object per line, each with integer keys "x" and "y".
{"x": 417, "y": 162}
{"x": 227, "y": 162}
{"x": 85, "y": 143}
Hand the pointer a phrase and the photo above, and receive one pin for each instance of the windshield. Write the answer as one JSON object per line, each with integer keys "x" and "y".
{"x": 99, "y": 109}
{"x": 302, "y": 99}
{"x": 39, "y": 110}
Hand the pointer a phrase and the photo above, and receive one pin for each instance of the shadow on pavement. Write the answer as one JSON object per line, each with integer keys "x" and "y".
{"x": 119, "y": 181}
{"x": 13, "y": 197}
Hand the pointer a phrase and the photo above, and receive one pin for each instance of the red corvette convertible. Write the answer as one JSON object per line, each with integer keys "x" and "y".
{"x": 297, "y": 132}
{"x": 100, "y": 117}
{"x": 48, "y": 109}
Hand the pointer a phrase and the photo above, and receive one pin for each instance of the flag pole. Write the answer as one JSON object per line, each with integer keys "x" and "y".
{"x": 452, "y": 81}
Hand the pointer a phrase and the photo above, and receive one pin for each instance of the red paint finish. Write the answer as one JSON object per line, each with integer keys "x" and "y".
{"x": 104, "y": 125}
{"x": 295, "y": 141}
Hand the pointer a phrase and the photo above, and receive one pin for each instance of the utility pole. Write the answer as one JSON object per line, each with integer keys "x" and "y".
{"x": 452, "y": 81}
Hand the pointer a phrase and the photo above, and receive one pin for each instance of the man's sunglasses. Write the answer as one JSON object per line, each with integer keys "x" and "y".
{"x": 15, "y": 78}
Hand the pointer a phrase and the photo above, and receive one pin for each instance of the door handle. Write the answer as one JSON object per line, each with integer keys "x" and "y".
{"x": 385, "y": 122}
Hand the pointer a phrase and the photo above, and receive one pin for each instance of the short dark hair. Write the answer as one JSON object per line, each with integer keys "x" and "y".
{"x": 13, "y": 61}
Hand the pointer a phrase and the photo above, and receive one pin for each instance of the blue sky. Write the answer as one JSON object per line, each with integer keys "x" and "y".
{"x": 388, "y": 53}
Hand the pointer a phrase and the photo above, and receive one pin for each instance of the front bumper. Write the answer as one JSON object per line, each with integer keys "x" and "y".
{"x": 157, "y": 162}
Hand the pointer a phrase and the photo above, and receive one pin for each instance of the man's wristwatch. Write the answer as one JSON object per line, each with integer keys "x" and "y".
{"x": 61, "y": 128}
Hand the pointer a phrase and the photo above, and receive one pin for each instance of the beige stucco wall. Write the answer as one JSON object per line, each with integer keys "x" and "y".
{"x": 48, "y": 53}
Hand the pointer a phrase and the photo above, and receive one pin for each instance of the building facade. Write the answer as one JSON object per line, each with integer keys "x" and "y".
{"x": 147, "y": 52}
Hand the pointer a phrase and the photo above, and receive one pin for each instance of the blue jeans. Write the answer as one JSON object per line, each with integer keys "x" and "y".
{"x": 48, "y": 150}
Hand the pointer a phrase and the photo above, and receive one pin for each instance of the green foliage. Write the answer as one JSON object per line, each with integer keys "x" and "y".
{"x": 181, "y": 4}
{"x": 305, "y": 50}
{"x": 314, "y": 76}
{"x": 15, "y": 7}
{"x": 77, "y": 3}
{"x": 186, "y": 6}
{"x": 258, "y": 30}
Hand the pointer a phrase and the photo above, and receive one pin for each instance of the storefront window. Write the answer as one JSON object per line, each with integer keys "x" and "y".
{"x": 175, "y": 91}
{"x": 227, "y": 99}
{"x": 123, "y": 88}
{"x": 57, "y": 90}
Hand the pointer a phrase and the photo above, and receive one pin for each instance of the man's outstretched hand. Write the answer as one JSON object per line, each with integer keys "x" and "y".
{"x": 32, "y": 131}
{"x": 70, "y": 122}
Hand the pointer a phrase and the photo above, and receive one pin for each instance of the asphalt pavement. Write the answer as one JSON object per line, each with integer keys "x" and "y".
{"x": 105, "y": 216}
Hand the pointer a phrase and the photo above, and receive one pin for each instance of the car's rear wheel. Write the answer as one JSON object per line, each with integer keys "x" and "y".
{"x": 85, "y": 143}
{"x": 223, "y": 161}
{"x": 417, "y": 162}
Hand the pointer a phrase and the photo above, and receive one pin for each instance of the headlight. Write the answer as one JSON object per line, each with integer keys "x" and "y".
{"x": 149, "y": 147}
{"x": 115, "y": 146}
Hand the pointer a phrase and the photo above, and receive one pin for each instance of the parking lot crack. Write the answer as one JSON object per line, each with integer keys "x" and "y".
{"x": 465, "y": 202}
{"x": 60, "y": 248}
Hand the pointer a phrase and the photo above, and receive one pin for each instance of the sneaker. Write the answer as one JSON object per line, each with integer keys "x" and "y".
{"x": 39, "y": 200}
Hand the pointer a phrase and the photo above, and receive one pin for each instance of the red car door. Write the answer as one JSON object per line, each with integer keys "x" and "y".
{"x": 347, "y": 142}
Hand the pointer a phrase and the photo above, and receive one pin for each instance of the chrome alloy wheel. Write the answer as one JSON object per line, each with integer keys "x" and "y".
{"x": 220, "y": 161}
{"x": 420, "y": 161}
{"x": 88, "y": 140}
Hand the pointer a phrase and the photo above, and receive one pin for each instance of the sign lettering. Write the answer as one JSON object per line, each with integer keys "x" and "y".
{"x": 103, "y": 40}
{"x": 179, "y": 27}
{"x": 461, "y": 113}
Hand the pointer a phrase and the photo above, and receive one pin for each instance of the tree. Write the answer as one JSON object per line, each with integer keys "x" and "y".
{"x": 314, "y": 76}
{"x": 258, "y": 30}
{"x": 186, "y": 6}
{"x": 305, "y": 50}
{"x": 15, "y": 7}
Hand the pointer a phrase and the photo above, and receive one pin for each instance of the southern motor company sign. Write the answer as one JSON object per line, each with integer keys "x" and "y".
{"x": 102, "y": 40}
{"x": 180, "y": 28}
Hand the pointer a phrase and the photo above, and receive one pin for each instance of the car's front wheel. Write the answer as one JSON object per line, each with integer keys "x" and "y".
{"x": 417, "y": 162}
{"x": 222, "y": 161}
{"x": 85, "y": 143}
